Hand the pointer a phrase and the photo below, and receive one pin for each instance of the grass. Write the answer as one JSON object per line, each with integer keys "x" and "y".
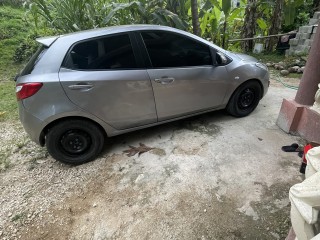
{"x": 13, "y": 29}
{"x": 272, "y": 57}
{"x": 8, "y": 102}
{"x": 17, "y": 217}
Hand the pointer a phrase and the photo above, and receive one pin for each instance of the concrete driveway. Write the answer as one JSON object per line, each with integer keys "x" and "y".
{"x": 208, "y": 177}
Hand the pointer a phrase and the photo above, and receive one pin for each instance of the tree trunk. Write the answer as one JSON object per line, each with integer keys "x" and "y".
{"x": 224, "y": 34}
{"x": 195, "y": 17}
{"x": 249, "y": 26}
{"x": 275, "y": 27}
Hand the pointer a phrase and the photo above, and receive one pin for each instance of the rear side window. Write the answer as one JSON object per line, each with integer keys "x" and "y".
{"x": 34, "y": 60}
{"x": 114, "y": 52}
{"x": 167, "y": 49}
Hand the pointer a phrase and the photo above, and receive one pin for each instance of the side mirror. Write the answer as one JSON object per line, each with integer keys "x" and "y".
{"x": 221, "y": 58}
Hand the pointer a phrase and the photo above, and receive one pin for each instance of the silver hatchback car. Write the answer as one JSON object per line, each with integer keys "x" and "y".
{"x": 79, "y": 88}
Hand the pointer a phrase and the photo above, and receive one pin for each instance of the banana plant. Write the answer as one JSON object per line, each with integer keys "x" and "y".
{"x": 290, "y": 10}
{"x": 217, "y": 16}
{"x": 147, "y": 12}
{"x": 75, "y": 15}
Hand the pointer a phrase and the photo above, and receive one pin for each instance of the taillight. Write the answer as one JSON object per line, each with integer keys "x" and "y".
{"x": 25, "y": 90}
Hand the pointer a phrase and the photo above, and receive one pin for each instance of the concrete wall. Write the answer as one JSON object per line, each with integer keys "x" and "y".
{"x": 302, "y": 43}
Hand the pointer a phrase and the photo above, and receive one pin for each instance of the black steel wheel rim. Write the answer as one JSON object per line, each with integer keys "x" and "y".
{"x": 246, "y": 98}
{"x": 75, "y": 142}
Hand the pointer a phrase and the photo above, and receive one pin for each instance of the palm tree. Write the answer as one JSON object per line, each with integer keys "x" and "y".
{"x": 250, "y": 23}
{"x": 195, "y": 17}
{"x": 275, "y": 26}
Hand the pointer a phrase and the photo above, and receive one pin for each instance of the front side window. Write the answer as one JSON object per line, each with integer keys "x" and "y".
{"x": 167, "y": 49}
{"x": 114, "y": 52}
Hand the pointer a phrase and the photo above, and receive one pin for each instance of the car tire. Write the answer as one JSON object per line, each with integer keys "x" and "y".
{"x": 74, "y": 141}
{"x": 245, "y": 99}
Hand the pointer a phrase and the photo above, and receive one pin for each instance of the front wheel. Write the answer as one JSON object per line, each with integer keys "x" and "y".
{"x": 74, "y": 141}
{"x": 245, "y": 99}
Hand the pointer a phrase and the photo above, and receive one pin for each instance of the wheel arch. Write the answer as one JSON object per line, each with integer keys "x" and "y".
{"x": 245, "y": 82}
{"x": 42, "y": 138}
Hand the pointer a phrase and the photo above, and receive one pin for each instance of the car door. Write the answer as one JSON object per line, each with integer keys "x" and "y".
{"x": 182, "y": 73}
{"x": 104, "y": 77}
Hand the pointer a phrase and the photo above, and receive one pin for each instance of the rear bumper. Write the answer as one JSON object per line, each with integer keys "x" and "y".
{"x": 32, "y": 125}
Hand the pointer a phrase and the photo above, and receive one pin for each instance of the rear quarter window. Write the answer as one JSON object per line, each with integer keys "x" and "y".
{"x": 34, "y": 60}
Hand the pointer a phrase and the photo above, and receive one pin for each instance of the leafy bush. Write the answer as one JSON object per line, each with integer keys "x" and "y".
{"x": 28, "y": 46}
{"x": 13, "y": 3}
{"x": 25, "y": 49}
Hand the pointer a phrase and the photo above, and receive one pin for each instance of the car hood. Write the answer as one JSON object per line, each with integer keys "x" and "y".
{"x": 246, "y": 57}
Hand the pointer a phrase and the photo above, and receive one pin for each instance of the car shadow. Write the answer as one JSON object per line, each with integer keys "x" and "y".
{"x": 203, "y": 123}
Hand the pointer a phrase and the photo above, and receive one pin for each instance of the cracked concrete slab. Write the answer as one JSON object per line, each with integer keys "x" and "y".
{"x": 208, "y": 177}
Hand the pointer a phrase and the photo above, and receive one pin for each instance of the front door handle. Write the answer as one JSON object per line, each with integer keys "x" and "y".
{"x": 164, "y": 80}
{"x": 81, "y": 86}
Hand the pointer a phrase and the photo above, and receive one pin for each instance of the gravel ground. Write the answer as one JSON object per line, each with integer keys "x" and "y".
{"x": 208, "y": 177}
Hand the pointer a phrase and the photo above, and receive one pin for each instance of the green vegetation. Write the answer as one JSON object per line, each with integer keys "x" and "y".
{"x": 273, "y": 57}
{"x": 17, "y": 217}
{"x": 13, "y": 30}
{"x": 8, "y": 102}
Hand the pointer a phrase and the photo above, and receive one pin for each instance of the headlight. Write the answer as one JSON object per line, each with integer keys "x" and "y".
{"x": 261, "y": 65}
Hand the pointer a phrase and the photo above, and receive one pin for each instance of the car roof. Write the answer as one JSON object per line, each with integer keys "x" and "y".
{"x": 97, "y": 32}
{"x": 47, "y": 41}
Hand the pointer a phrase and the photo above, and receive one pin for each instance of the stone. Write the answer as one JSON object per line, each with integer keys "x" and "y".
{"x": 298, "y": 36}
{"x": 313, "y": 21}
{"x": 303, "y": 29}
{"x": 309, "y": 29}
{"x": 293, "y": 41}
{"x": 287, "y": 53}
{"x": 293, "y": 69}
{"x": 284, "y": 72}
{"x": 308, "y": 42}
{"x": 269, "y": 64}
{"x": 305, "y": 35}
{"x": 316, "y": 15}
{"x": 302, "y": 68}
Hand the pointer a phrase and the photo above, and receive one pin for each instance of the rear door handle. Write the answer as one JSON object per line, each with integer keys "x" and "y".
{"x": 164, "y": 80}
{"x": 81, "y": 86}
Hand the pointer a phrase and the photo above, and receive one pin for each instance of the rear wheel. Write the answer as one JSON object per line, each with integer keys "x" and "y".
{"x": 74, "y": 141}
{"x": 245, "y": 99}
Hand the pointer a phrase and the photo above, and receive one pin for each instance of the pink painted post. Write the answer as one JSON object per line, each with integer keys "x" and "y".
{"x": 295, "y": 116}
{"x": 311, "y": 75}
